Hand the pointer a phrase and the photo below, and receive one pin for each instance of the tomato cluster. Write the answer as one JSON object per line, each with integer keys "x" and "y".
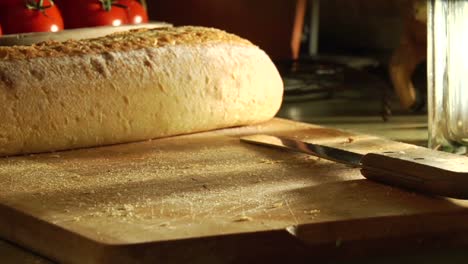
{"x": 22, "y": 16}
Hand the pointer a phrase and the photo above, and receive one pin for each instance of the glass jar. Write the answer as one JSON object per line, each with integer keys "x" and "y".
{"x": 447, "y": 62}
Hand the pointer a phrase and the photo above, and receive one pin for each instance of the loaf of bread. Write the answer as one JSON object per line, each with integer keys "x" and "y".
{"x": 132, "y": 86}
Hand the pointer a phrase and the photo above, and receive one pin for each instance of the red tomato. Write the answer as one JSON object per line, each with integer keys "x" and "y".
{"x": 136, "y": 13}
{"x": 32, "y": 16}
{"x": 0, "y": 30}
{"x": 91, "y": 13}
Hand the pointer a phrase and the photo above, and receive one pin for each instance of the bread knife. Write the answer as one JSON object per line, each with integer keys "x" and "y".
{"x": 433, "y": 174}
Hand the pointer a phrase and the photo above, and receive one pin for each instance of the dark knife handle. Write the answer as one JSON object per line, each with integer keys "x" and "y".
{"x": 437, "y": 173}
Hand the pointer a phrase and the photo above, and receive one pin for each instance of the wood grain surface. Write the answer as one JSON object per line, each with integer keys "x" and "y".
{"x": 208, "y": 198}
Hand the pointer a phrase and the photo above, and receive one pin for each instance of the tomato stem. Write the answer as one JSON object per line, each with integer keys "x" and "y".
{"x": 108, "y": 4}
{"x": 39, "y": 6}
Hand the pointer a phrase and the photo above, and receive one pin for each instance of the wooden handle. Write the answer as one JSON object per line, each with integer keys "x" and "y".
{"x": 426, "y": 171}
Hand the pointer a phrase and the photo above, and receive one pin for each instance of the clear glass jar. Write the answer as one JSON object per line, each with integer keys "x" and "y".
{"x": 448, "y": 74}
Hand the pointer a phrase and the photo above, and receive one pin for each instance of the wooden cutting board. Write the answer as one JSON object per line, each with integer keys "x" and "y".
{"x": 208, "y": 198}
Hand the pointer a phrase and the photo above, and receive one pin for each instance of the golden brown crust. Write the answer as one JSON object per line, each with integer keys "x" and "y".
{"x": 123, "y": 41}
{"x": 68, "y": 102}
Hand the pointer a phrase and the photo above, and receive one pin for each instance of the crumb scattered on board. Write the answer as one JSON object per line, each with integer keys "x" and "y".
{"x": 277, "y": 205}
{"x": 311, "y": 212}
{"x": 243, "y": 218}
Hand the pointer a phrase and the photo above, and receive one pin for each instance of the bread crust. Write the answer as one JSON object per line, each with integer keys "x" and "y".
{"x": 50, "y": 103}
{"x": 123, "y": 41}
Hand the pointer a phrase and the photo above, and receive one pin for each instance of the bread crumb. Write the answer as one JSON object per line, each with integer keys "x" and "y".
{"x": 267, "y": 161}
{"x": 128, "y": 207}
{"x": 126, "y": 210}
{"x": 97, "y": 214}
{"x": 243, "y": 219}
{"x": 277, "y": 205}
{"x": 313, "y": 211}
{"x": 76, "y": 177}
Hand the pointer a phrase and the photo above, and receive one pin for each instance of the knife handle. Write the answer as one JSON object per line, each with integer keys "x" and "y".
{"x": 422, "y": 170}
